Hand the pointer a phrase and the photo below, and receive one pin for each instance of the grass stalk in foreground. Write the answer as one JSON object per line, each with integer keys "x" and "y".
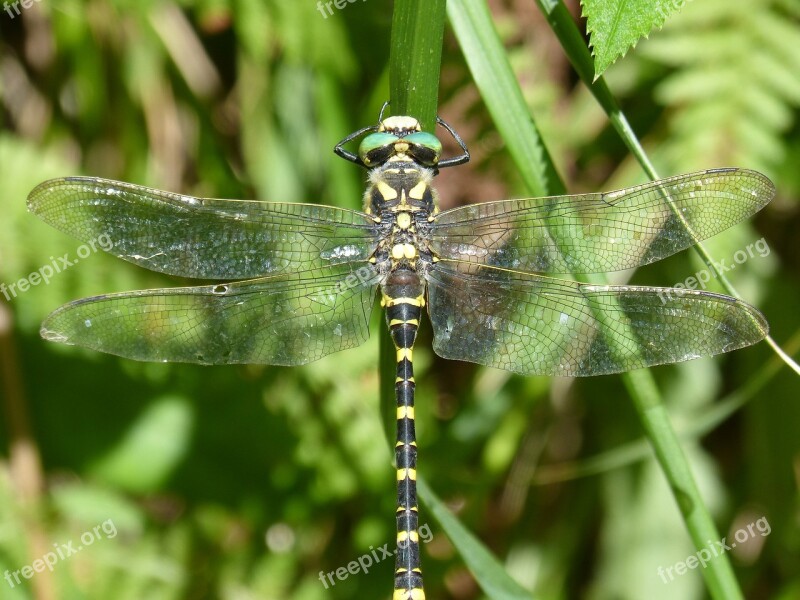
{"x": 489, "y": 65}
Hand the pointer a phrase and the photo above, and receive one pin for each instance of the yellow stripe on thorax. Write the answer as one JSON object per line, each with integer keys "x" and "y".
{"x": 418, "y": 191}
{"x": 387, "y": 191}
{"x": 400, "y": 251}
{"x": 403, "y": 220}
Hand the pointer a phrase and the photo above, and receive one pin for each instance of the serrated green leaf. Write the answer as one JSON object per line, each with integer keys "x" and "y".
{"x": 616, "y": 25}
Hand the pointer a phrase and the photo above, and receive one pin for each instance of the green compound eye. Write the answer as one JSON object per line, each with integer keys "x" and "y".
{"x": 424, "y": 147}
{"x": 376, "y": 147}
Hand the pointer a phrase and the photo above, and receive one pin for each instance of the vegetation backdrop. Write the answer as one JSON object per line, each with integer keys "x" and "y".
{"x": 243, "y": 482}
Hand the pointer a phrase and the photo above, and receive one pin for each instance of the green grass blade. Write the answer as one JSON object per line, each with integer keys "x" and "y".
{"x": 482, "y": 47}
{"x": 417, "y": 34}
{"x": 414, "y": 65}
{"x": 697, "y": 428}
{"x": 564, "y": 27}
{"x": 492, "y": 73}
{"x": 489, "y": 573}
{"x": 719, "y": 574}
{"x": 560, "y": 20}
{"x": 415, "y": 59}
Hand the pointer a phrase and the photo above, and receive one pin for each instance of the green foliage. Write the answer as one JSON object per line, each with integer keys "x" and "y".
{"x": 486, "y": 569}
{"x": 248, "y": 481}
{"x": 710, "y": 49}
{"x": 617, "y": 25}
{"x": 495, "y": 80}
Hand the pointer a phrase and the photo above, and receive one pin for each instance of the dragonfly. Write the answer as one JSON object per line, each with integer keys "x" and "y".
{"x": 295, "y": 282}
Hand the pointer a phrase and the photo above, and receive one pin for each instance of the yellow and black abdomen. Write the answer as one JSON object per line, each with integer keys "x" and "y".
{"x": 403, "y": 299}
{"x": 401, "y": 198}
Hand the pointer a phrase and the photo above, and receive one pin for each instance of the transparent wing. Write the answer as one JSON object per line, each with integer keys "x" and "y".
{"x": 281, "y": 320}
{"x": 598, "y": 233}
{"x": 537, "y": 325}
{"x": 202, "y": 237}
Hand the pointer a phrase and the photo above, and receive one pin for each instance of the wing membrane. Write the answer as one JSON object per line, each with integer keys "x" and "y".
{"x": 537, "y": 325}
{"x": 281, "y": 320}
{"x": 598, "y": 233}
{"x": 203, "y": 237}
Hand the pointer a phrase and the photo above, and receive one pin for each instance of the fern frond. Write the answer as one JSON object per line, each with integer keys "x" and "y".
{"x": 734, "y": 86}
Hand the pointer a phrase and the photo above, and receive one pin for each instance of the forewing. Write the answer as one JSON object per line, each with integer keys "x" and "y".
{"x": 202, "y": 237}
{"x": 537, "y": 325}
{"x": 281, "y": 320}
{"x": 598, "y": 233}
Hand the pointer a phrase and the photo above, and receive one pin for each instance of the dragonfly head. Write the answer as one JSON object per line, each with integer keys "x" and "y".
{"x": 400, "y": 136}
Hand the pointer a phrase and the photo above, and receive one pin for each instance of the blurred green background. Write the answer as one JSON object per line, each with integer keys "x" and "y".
{"x": 247, "y": 482}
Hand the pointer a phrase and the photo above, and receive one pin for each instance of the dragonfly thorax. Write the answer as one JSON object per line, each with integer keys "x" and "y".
{"x": 401, "y": 196}
{"x": 400, "y": 184}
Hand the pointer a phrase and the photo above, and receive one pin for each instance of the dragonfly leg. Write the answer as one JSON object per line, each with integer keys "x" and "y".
{"x": 455, "y": 160}
{"x": 346, "y": 154}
